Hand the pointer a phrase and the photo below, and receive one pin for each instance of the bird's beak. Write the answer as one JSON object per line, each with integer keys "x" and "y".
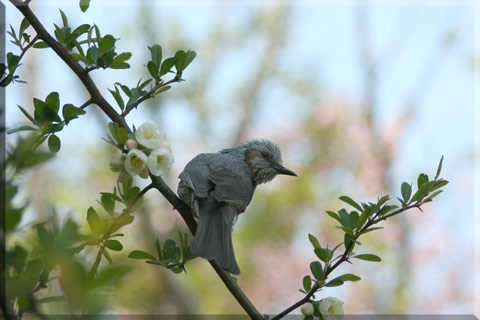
{"x": 283, "y": 170}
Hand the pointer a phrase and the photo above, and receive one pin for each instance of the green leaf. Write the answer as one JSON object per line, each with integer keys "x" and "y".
{"x": 156, "y": 54}
{"x": 423, "y": 190}
{"x": 335, "y": 216}
{"x": 433, "y": 195}
{"x": 53, "y": 101}
{"x": 316, "y": 268}
{"x": 180, "y": 57}
{"x": 314, "y": 241}
{"x": 119, "y": 61}
{"x": 51, "y": 299}
{"x": 92, "y": 55}
{"x": 169, "y": 249}
{"x": 26, "y": 114}
{"x": 439, "y": 169}
{"x": 108, "y": 203}
{"x": 324, "y": 254}
{"x": 438, "y": 184}
{"x": 80, "y": 57}
{"x": 167, "y": 65}
{"x": 23, "y": 25}
{"x": 94, "y": 221}
{"x": 190, "y": 56}
{"x": 122, "y": 135}
{"x": 118, "y": 97}
{"x": 71, "y": 112}
{"x": 368, "y": 257}
{"x": 334, "y": 283}
{"x": 106, "y": 45}
{"x": 107, "y": 256}
{"x": 54, "y": 143}
{"x": 114, "y": 245}
{"x": 406, "y": 190}
{"x": 84, "y": 4}
{"x": 43, "y": 236}
{"x": 122, "y": 220}
{"x": 138, "y": 254}
{"x": 351, "y": 202}
{"x": 422, "y": 179}
{"x": 162, "y": 89}
{"x": 345, "y": 218}
{"x": 348, "y": 277}
{"x": 153, "y": 70}
{"x": 307, "y": 283}
{"x": 41, "y": 45}
{"x": 80, "y": 30}
{"x": 64, "y": 18}
{"x": 22, "y": 128}
{"x": 43, "y": 112}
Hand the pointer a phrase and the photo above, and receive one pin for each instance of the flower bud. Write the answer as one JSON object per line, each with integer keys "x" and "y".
{"x": 131, "y": 144}
{"x": 116, "y": 164}
{"x": 144, "y": 174}
{"x": 307, "y": 309}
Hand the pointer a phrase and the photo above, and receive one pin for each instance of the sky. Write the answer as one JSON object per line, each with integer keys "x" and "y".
{"x": 425, "y": 50}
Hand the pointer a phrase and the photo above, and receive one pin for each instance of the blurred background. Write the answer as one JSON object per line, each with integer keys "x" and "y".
{"x": 360, "y": 96}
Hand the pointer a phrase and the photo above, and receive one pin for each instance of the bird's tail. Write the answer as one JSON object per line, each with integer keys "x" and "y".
{"x": 213, "y": 238}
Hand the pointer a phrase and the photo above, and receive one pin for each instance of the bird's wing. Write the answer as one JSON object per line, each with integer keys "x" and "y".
{"x": 231, "y": 188}
{"x": 195, "y": 176}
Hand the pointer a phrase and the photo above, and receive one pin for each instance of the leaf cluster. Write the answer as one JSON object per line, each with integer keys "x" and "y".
{"x": 357, "y": 222}
{"x": 170, "y": 256}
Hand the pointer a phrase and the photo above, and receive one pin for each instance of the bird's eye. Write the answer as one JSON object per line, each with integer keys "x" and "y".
{"x": 264, "y": 154}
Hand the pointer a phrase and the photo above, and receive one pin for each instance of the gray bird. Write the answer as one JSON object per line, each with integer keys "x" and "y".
{"x": 218, "y": 187}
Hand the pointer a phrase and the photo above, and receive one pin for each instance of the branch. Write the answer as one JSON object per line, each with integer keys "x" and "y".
{"x": 62, "y": 52}
{"x": 150, "y": 94}
{"x": 343, "y": 258}
{"x": 157, "y": 182}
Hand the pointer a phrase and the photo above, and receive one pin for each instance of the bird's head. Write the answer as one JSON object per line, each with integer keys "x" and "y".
{"x": 265, "y": 160}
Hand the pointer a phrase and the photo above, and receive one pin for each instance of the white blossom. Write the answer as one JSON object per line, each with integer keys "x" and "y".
{"x": 307, "y": 309}
{"x": 149, "y": 136}
{"x": 160, "y": 161}
{"x": 135, "y": 162}
{"x": 331, "y": 308}
{"x": 116, "y": 164}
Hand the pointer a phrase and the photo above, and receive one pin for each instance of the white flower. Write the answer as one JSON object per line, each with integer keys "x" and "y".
{"x": 149, "y": 136}
{"x": 135, "y": 162}
{"x": 160, "y": 161}
{"x": 331, "y": 308}
{"x": 116, "y": 164}
{"x": 307, "y": 309}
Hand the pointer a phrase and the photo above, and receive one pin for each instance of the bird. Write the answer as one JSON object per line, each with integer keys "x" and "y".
{"x": 219, "y": 186}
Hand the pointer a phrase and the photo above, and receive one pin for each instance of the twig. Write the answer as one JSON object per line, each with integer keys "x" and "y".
{"x": 343, "y": 258}
{"x": 107, "y": 234}
{"x": 150, "y": 94}
{"x": 24, "y": 50}
{"x": 86, "y": 104}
